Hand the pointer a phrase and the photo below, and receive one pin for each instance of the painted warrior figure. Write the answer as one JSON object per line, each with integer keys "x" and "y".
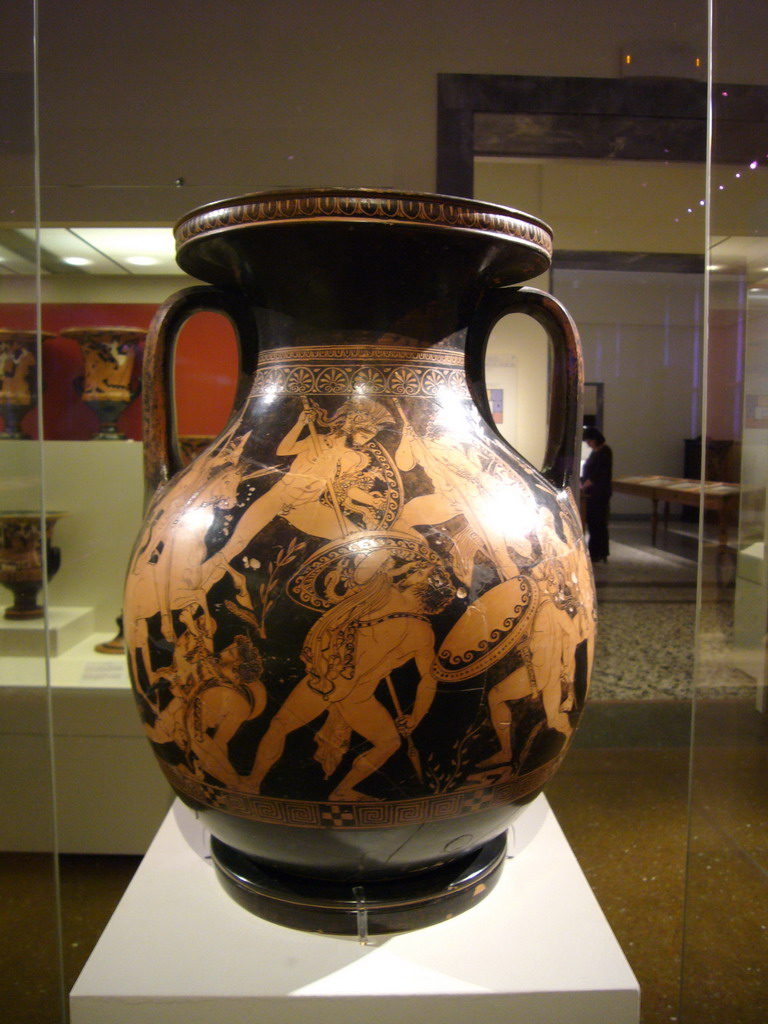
{"x": 561, "y": 622}
{"x": 167, "y": 571}
{"x": 212, "y": 695}
{"x": 463, "y": 485}
{"x": 381, "y": 624}
{"x": 318, "y": 461}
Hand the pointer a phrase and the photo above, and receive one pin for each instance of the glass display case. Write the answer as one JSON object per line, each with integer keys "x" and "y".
{"x": 30, "y": 935}
{"x": 646, "y": 148}
{"x": 726, "y": 898}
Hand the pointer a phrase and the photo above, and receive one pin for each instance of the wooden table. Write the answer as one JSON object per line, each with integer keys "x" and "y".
{"x": 719, "y": 496}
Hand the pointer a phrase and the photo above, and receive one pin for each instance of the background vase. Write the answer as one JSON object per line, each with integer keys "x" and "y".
{"x": 21, "y": 559}
{"x": 18, "y": 378}
{"x": 191, "y": 445}
{"x": 117, "y": 644}
{"x": 109, "y": 354}
{"x": 360, "y": 626}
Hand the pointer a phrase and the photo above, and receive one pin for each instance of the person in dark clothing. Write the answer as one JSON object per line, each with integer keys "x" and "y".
{"x": 596, "y": 493}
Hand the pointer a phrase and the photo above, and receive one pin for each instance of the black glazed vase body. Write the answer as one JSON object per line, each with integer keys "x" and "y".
{"x": 360, "y": 625}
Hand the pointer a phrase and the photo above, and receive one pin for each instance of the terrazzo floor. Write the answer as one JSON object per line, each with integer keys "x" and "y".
{"x": 647, "y": 609}
{"x": 686, "y": 894}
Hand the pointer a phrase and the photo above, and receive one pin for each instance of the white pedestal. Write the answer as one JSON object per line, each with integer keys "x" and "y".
{"x": 110, "y": 793}
{"x": 178, "y": 950}
{"x": 751, "y": 618}
{"x": 25, "y": 638}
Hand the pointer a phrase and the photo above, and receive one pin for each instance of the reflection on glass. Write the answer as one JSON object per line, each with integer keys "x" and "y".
{"x": 727, "y": 894}
{"x": 630, "y": 272}
{"x": 31, "y": 978}
{"x": 97, "y": 315}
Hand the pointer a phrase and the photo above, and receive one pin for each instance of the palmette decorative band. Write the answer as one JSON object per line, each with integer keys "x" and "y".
{"x": 360, "y": 369}
{"x": 362, "y": 814}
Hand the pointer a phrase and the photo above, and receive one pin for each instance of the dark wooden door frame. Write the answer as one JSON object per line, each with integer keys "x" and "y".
{"x": 661, "y": 119}
{"x": 605, "y": 118}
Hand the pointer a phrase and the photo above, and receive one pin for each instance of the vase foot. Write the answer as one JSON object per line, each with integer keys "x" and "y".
{"x": 24, "y": 613}
{"x": 369, "y": 907}
{"x": 108, "y": 435}
{"x": 116, "y": 645}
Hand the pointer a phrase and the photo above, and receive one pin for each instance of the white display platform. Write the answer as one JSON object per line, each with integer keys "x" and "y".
{"x": 110, "y": 794}
{"x": 751, "y": 619}
{"x": 25, "y": 638}
{"x": 178, "y": 950}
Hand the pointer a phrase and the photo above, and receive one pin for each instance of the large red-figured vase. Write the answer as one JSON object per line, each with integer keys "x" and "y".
{"x": 360, "y": 625}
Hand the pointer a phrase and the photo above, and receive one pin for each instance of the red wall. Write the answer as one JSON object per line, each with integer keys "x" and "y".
{"x": 206, "y": 369}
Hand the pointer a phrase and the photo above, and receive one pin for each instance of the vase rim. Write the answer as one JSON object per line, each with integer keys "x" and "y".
{"x": 361, "y": 205}
{"x": 72, "y": 332}
{"x": 32, "y": 514}
{"x": 25, "y": 333}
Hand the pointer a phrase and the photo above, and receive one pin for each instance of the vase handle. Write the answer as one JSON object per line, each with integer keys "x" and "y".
{"x": 561, "y": 458}
{"x": 161, "y": 451}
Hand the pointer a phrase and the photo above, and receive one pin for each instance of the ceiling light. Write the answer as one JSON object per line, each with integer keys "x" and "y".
{"x": 77, "y": 261}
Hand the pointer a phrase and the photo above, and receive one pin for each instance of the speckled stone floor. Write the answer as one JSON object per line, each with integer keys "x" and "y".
{"x": 686, "y": 895}
{"x": 647, "y": 606}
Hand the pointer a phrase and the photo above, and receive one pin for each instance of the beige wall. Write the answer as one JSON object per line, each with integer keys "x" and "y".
{"x": 236, "y": 95}
{"x": 517, "y": 361}
{"x": 250, "y": 94}
{"x": 605, "y": 205}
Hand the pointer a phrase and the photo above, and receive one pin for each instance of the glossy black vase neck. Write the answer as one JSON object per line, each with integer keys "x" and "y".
{"x": 413, "y": 265}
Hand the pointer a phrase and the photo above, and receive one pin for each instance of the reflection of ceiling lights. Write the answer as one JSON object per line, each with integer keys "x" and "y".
{"x": 107, "y": 250}
{"x": 739, "y": 254}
